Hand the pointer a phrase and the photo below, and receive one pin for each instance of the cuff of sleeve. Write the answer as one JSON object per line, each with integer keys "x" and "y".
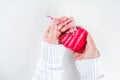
{"x": 90, "y": 68}
{"x": 52, "y": 54}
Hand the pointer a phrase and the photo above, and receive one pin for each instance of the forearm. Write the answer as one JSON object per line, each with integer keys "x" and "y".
{"x": 90, "y": 69}
{"x": 50, "y": 64}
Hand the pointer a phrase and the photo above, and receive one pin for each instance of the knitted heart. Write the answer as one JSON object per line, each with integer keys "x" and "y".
{"x": 75, "y": 41}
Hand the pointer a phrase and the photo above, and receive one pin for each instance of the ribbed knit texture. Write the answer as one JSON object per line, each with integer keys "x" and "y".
{"x": 90, "y": 69}
{"x": 50, "y": 64}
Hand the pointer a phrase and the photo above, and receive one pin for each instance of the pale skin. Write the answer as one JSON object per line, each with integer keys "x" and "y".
{"x": 55, "y": 29}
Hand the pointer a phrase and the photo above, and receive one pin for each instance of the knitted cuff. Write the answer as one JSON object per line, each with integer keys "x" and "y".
{"x": 52, "y": 54}
{"x": 90, "y": 69}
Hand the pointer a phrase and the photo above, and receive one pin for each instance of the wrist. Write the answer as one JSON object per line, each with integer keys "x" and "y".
{"x": 87, "y": 55}
{"x": 51, "y": 41}
{"x": 93, "y": 55}
{"x": 92, "y": 68}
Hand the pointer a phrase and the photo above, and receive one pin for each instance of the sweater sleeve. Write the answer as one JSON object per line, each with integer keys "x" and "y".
{"x": 90, "y": 69}
{"x": 50, "y": 64}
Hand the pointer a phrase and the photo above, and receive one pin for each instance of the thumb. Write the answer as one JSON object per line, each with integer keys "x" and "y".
{"x": 90, "y": 41}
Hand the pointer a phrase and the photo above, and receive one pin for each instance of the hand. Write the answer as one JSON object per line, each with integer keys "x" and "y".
{"x": 56, "y": 28}
{"x": 90, "y": 50}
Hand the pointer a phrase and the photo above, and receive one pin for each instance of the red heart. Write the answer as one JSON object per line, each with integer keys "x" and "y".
{"x": 75, "y": 41}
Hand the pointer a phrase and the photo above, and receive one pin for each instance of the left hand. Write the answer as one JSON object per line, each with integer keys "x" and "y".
{"x": 55, "y": 29}
{"x": 90, "y": 50}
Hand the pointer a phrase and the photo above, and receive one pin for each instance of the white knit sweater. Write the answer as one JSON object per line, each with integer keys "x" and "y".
{"x": 50, "y": 65}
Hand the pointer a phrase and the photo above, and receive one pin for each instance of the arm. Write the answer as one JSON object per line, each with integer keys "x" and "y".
{"x": 50, "y": 64}
{"x": 89, "y": 63}
{"x": 52, "y": 52}
{"x": 90, "y": 69}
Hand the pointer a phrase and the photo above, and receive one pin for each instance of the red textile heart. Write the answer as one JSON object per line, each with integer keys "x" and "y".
{"x": 75, "y": 41}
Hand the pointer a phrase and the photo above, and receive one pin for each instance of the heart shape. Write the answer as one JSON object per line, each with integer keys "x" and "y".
{"x": 75, "y": 41}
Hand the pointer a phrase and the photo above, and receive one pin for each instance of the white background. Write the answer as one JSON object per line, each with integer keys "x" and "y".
{"x": 22, "y": 23}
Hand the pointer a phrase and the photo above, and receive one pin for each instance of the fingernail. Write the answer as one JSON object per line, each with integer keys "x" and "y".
{"x": 58, "y": 28}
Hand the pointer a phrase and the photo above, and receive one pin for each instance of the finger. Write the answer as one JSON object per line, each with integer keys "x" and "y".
{"x": 68, "y": 20}
{"x": 81, "y": 57}
{"x": 90, "y": 41}
{"x": 47, "y": 31}
{"x": 68, "y": 26}
{"x": 45, "y": 34}
{"x": 60, "y": 22}
{"x": 71, "y": 30}
{"x": 58, "y": 19}
{"x": 67, "y": 32}
{"x": 77, "y": 27}
{"x": 53, "y": 25}
{"x": 52, "y": 18}
{"x": 76, "y": 55}
{"x": 53, "y": 30}
{"x": 62, "y": 18}
{"x": 64, "y": 23}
